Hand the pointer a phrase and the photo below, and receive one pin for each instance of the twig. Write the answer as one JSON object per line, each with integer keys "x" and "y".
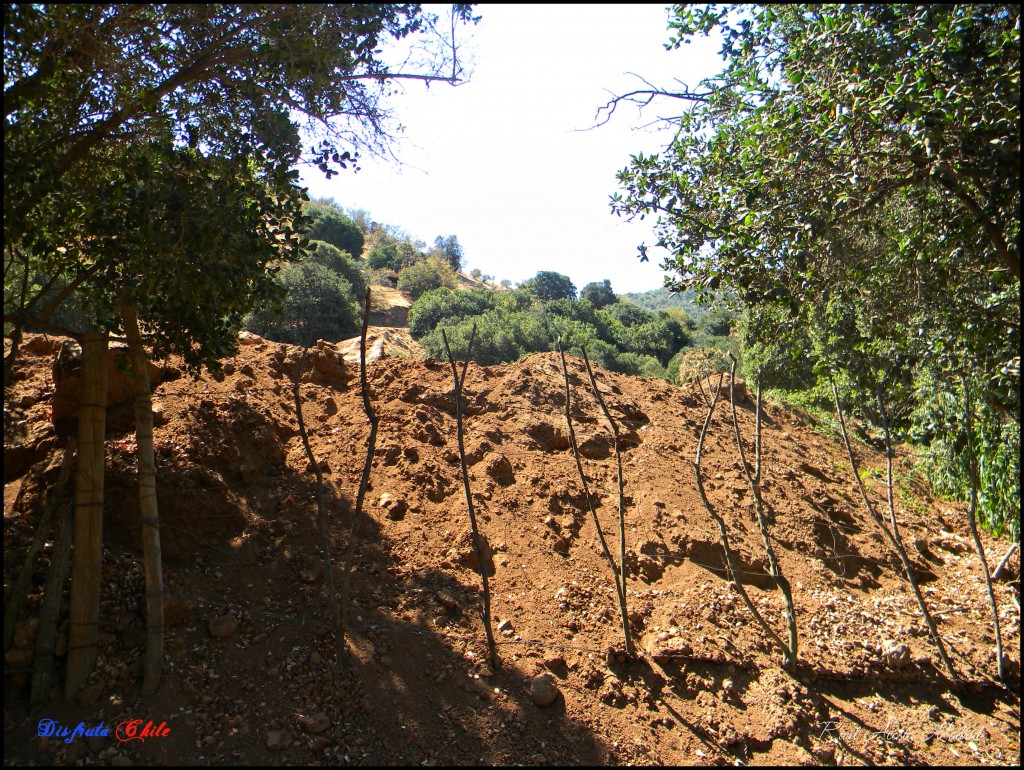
{"x": 459, "y": 382}
{"x": 622, "y": 502}
{"x": 325, "y": 546}
{"x": 893, "y": 538}
{"x": 590, "y": 504}
{"x": 1004, "y": 561}
{"x": 730, "y": 559}
{"x": 49, "y": 616}
{"x": 972, "y": 471}
{"x": 762, "y": 524}
{"x": 54, "y": 498}
{"x": 364, "y": 481}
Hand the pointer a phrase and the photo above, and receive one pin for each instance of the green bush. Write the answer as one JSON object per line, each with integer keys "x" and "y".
{"x": 443, "y": 304}
{"x": 385, "y": 257}
{"x": 421, "y": 277}
{"x": 339, "y": 262}
{"x": 319, "y": 305}
{"x": 501, "y": 337}
{"x": 332, "y": 226}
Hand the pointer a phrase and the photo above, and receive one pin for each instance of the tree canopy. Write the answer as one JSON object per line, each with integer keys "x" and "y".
{"x": 88, "y": 88}
{"x": 548, "y": 284}
{"x": 852, "y": 177}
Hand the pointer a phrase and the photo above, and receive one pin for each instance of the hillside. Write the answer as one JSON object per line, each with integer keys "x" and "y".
{"x": 249, "y": 679}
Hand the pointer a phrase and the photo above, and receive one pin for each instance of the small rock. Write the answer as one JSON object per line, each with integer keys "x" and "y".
{"x": 248, "y": 338}
{"x": 896, "y": 654}
{"x": 87, "y": 696}
{"x": 315, "y": 723}
{"x": 277, "y": 740}
{"x": 319, "y": 743}
{"x": 396, "y": 507}
{"x": 366, "y": 705}
{"x": 554, "y": 660}
{"x": 315, "y": 660}
{"x": 543, "y": 690}
{"x": 223, "y": 626}
{"x": 25, "y": 632}
{"x": 728, "y": 686}
{"x": 505, "y": 625}
{"x": 96, "y": 743}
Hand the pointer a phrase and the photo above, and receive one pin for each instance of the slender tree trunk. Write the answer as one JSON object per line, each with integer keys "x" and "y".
{"x": 973, "y": 523}
{"x": 364, "y": 480}
{"x": 152, "y": 557}
{"x": 762, "y": 523}
{"x": 893, "y": 536}
{"x": 480, "y": 556}
{"x": 42, "y": 662}
{"x": 619, "y": 591}
{"x": 54, "y": 498}
{"x": 88, "y": 534}
{"x": 623, "y": 569}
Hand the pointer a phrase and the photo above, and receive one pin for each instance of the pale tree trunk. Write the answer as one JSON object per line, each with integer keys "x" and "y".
{"x": 150, "y": 519}
{"x": 88, "y": 535}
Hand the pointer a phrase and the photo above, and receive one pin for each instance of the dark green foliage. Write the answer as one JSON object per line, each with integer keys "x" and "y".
{"x": 446, "y": 305}
{"x": 329, "y": 224}
{"x": 449, "y": 249}
{"x": 501, "y": 337}
{"x": 663, "y": 299}
{"x": 385, "y": 257}
{"x": 339, "y": 262}
{"x": 599, "y": 294}
{"x": 628, "y": 314}
{"x": 319, "y": 305}
{"x": 550, "y": 285}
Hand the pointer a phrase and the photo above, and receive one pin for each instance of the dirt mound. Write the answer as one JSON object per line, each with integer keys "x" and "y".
{"x": 249, "y": 652}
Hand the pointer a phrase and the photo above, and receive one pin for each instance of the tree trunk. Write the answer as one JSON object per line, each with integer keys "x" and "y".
{"x": 49, "y": 616}
{"x": 88, "y": 535}
{"x": 152, "y": 558}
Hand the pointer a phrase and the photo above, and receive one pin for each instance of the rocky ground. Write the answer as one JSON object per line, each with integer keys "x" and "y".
{"x": 250, "y": 673}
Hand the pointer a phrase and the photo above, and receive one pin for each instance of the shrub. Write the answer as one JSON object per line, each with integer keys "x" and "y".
{"x": 421, "y": 277}
{"x": 319, "y": 304}
{"x": 443, "y": 304}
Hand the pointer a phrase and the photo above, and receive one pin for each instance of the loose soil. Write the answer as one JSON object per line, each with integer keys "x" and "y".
{"x": 250, "y": 676}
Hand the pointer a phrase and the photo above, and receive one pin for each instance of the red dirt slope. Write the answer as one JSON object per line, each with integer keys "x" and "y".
{"x": 242, "y": 547}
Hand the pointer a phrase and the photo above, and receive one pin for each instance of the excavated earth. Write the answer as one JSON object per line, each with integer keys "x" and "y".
{"x": 250, "y": 675}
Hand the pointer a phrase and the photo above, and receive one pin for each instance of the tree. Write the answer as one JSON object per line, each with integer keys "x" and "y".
{"x": 148, "y": 150}
{"x": 421, "y": 277}
{"x": 449, "y": 249}
{"x": 319, "y": 303}
{"x": 550, "y": 285}
{"x": 869, "y": 153}
{"x": 329, "y": 224}
{"x": 339, "y": 262}
{"x": 599, "y": 294}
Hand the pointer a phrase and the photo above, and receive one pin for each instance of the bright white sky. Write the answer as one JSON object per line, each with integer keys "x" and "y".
{"x": 501, "y": 161}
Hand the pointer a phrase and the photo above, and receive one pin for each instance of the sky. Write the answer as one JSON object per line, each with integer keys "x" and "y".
{"x": 505, "y": 161}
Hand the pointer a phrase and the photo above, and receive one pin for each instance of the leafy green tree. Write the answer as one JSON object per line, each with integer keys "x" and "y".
{"x": 550, "y": 285}
{"x": 501, "y": 336}
{"x": 448, "y": 248}
{"x": 599, "y": 294}
{"x": 147, "y": 164}
{"x": 339, "y": 262}
{"x": 444, "y": 304}
{"x": 329, "y": 224}
{"x": 430, "y": 273}
{"x": 319, "y": 304}
{"x": 628, "y": 314}
{"x": 385, "y": 257}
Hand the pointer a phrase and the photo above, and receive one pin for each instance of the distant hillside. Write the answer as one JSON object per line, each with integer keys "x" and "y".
{"x": 663, "y": 299}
